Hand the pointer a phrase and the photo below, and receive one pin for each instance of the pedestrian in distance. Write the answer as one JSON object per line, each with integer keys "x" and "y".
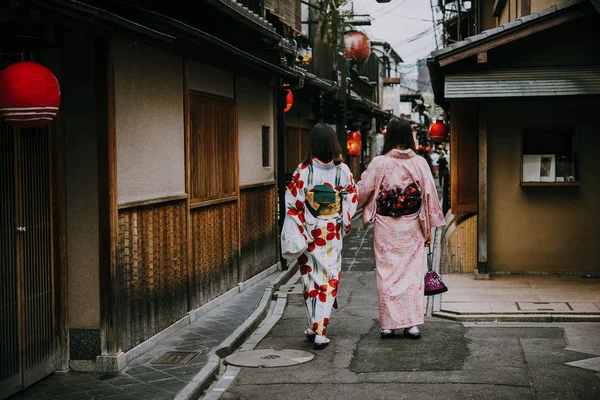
{"x": 443, "y": 165}
{"x": 435, "y": 157}
{"x": 398, "y": 194}
{"x": 320, "y": 201}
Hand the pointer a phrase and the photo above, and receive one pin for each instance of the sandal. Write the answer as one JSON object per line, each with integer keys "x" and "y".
{"x": 310, "y": 335}
{"x": 320, "y": 342}
{"x": 387, "y": 333}
{"x": 412, "y": 333}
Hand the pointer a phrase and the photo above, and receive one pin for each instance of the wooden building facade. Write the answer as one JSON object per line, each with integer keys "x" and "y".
{"x": 152, "y": 193}
{"x": 521, "y": 99}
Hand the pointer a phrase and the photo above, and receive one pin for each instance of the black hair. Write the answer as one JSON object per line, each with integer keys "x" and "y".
{"x": 324, "y": 145}
{"x": 399, "y": 133}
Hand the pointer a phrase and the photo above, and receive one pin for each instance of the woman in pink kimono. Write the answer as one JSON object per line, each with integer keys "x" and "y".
{"x": 398, "y": 192}
{"x": 321, "y": 200}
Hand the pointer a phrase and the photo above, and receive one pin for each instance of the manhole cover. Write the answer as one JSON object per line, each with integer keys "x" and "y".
{"x": 175, "y": 358}
{"x": 269, "y": 358}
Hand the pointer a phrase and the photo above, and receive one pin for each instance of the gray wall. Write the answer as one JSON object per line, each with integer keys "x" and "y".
{"x": 149, "y": 119}
{"x": 205, "y": 78}
{"x": 255, "y": 109}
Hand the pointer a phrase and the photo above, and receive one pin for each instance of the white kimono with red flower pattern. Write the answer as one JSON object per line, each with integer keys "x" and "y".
{"x": 320, "y": 265}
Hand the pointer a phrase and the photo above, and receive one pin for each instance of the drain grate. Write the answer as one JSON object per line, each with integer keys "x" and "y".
{"x": 175, "y": 358}
{"x": 291, "y": 289}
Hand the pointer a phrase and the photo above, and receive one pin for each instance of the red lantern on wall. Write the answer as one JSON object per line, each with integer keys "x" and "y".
{"x": 357, "y": 47}
{"x": 29, "y": 95}
{"x": 289, "y": 100}
{"x": 354, "y": 143}
{"x": 438, "y": 132}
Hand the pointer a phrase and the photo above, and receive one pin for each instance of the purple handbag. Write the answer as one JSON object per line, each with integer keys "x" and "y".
{"x": 433, "y": 282}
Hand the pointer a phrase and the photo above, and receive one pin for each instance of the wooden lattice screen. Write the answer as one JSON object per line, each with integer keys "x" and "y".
{"x": 258, "y": 229}
{"x": 212, "y": 148}
{"x": 152, "y": 270}
{"x": 214, "y": 251}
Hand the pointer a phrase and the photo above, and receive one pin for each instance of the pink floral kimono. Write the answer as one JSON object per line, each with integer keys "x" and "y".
{"x": 398, "y": 192}
{"x": 321, "y": 230}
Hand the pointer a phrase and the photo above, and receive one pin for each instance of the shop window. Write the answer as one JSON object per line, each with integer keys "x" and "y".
{"x": 549, "y": 157}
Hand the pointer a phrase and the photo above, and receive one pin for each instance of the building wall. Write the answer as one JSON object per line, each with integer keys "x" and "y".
{"x": 205, "y": 78}
{"x": 487, "y": 15}
{"x": 149, "y": 120}
{"x": 255, "y": 110}
{"x": 78, "y": 107}
{"x": 537, "y": 5}
{"x": 549, "y": 229}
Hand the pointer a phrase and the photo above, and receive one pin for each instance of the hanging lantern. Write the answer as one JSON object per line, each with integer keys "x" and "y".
{"x": 289, "y": 100}
{"x": 29, "y": 95}
{"x": 354, "y": 143}
{"x": 357, "y": 47}
{"x": 438, "y": 132}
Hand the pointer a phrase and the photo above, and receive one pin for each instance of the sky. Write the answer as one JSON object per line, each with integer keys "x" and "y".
{"x": 406, "y": 24}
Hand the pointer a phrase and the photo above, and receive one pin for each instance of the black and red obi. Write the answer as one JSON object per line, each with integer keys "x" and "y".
{"x": 398, "y": 202}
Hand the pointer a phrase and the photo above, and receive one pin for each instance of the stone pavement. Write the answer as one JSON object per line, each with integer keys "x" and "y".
{"x": 452, "y": 360}
{"x": 142, "y": 380}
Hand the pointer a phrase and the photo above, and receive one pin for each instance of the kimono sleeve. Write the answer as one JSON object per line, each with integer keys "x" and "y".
{"x": 294, "y": 238}
{"x": 350, "y": 199}
{"x": 433, "y": 207}
{"x": 368, "y": 181}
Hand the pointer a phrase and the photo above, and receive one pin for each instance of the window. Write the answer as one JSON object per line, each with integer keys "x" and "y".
{"x": 549, "y": 157}
{"x": 213, "y": 142}
{"x": 266, "y": 146}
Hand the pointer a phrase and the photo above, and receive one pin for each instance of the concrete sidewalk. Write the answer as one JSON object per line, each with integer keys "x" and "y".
{"x": 540, "y": 298}
{"x": 218, "y": 331}
{"x": 452, "y": 360}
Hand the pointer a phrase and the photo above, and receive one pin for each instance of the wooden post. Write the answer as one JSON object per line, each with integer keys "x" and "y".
{"x": 107, "y": 196}
{"x": 279, "y": 100}
{"x": 482, "y": 254}
{"x": 191, "y": 287}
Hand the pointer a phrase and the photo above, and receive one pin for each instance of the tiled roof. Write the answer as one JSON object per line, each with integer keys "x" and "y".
{"x": 245, "y": 11}
{"x": 506, "y": 27}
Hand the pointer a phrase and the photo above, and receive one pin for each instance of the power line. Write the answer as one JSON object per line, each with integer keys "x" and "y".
{"x": 385, "y": 10}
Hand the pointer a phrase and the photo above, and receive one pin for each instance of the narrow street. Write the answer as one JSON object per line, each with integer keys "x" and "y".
{"x": 452, "y": 360}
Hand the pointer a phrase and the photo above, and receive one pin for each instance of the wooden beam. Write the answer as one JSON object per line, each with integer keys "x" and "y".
{"x": 513, "y": 34}
{"x": 107, "y": 196}
{"x": 525, "y": 8}
{"x": 59, "y": 214}
{"x": 482, "y": 226}
{"x": 237, "y": 179}
{"x": 391, "y": 81}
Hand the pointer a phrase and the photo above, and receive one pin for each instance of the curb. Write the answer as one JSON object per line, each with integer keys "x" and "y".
{"x": 517, "y": 317}
{"x": 216, "y": 390}
{"x": 207, "y": 375}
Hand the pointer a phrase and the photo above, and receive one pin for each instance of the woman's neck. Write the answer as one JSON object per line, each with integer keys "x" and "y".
{"x": 400, "y": 147}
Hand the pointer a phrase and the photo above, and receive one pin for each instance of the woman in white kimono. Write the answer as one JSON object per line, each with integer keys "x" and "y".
{"x": 398, "y": 192}
{"x": 320, "y": 200}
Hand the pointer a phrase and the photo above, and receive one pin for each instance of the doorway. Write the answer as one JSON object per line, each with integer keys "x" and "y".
{"x": 27, "y": 309}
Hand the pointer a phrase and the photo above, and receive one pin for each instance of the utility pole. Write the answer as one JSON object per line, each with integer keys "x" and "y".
{"x": 458, "y": 32}
{"x": 434, "y": 25}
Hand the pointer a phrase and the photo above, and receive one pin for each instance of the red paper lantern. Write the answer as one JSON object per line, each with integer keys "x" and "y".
{"x": 289, "y": 100}
{"x": 357, "y": 47}
{"x": 354, "y": 143}
{"x": 29, "y": 95}
{"x": 438, "y": 132}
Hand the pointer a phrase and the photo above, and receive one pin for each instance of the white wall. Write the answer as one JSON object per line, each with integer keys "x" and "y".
{"x": 255, "y": 109}
{"x": 149, "y": 120}
{"x": 208, "y": 79}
